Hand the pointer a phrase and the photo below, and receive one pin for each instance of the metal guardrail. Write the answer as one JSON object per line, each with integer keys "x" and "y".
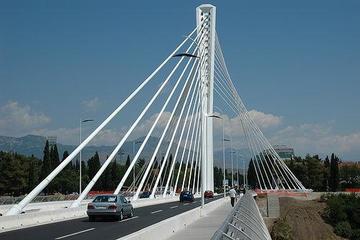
{"x": 244, "y": 222}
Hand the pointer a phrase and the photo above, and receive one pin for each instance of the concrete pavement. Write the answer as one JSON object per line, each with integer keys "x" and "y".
{"x": 206, "y": 226}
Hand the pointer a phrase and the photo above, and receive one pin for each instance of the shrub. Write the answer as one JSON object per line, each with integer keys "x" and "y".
{"x": 355, "y": 235}
{"x": 336, "y": 209}
{"x": 324, "y": 197}
{"x": 281, "y": 230}
{"x": 343, "y": 229}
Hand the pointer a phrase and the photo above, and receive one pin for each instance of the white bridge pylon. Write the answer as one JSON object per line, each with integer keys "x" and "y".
{"x": 199, "y": 73}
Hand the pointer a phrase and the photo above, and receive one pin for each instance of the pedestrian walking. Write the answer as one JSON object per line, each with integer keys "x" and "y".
{"x": 232, "y": 194}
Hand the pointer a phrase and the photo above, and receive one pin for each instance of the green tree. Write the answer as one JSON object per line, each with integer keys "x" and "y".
{"x": 54, "y": 186}
{"x": 64, "y": 156}
{"x": 129, "y": 180}
{"x": 127, "y": 164}
{"x": 93, "y": 167}
{"x": 13, "y": 180}
{"x": 218, "y": 178}
{"x": 251, "y": 175}
{"x": 54, "y": 156}
{"x": 46, "y": 164}
{"x": 315, "y": 172}
{"x": 115, "y": 174}
{"x": 326, "y": 174}
{"x": 334, "y": 173}
{"x": 32, "y": 173}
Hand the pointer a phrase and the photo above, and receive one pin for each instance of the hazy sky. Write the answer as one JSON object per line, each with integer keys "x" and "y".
{"x": 296, "y": 65}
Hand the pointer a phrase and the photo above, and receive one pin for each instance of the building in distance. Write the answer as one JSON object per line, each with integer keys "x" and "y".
{"x": 284, "y": 151}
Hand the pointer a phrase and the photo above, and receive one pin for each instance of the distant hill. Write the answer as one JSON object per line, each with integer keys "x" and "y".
{"x": 34, "y": 145}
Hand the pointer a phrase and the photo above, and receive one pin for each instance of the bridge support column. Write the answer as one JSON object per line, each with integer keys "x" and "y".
{"x": 205, "y": 19}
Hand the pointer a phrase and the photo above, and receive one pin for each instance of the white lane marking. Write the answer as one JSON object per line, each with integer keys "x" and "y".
{"x": 174, "y": 207}
{"x": 72, "y": 234}
{"x": 127, "y": 219}
{"x": 186, "y": 204}
{"x": 156, "y": 211}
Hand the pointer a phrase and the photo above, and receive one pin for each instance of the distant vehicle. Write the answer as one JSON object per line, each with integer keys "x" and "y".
{"x": 110, "y": 205}
{"x": 145, "y": 194}
{"x": 208, "y": 194}
{"x": 186, "y": 196}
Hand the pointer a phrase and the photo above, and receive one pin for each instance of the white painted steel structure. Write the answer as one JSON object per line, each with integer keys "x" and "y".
{"x": 193, "y": 76}
{"x": 206, "y": 20}
{"x": 244, "y": 222}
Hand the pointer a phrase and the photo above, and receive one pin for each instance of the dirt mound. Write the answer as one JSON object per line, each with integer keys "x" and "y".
{"x": 304, "y": 219}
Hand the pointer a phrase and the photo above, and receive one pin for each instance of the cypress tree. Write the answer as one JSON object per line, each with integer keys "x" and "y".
{"x": 251, "y": 175}
{"x": 130, "y": 177}
{"x": 334, "y": 173}
{"x": 127, "y": 164}
{"x": 45, "y": 167}
{"x": 31, "y": 174}
{"x": 54, "y": 157}
{"x": 65, "y": 155}
{"x": 105, "y": 178}
{"x": 115, "y": 175}
{"x": 93, "y": 167}
{"x": 326, "y": 174}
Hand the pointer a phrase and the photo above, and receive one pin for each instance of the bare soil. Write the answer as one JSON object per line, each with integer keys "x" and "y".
{"x": 304, "y": 217}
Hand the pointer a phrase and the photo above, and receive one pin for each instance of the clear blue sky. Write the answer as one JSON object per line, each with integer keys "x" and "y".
{"x": 296, "y": 60}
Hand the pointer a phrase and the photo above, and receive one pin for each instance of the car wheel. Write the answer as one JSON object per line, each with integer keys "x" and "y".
{"x": 91, "y": 218}
{"x": 131, "y": 213}
{"x": 121, "y": 216}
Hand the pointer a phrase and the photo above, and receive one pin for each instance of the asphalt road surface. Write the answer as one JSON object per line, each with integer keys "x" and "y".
{"x": 103, "y": 229}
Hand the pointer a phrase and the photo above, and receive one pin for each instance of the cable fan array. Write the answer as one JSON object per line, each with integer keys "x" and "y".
{"x": 271, "y": 171}
{"x": 180, "y": 114}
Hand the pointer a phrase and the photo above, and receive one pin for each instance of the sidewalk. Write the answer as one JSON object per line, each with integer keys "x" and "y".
{"x": 206, "y": 226}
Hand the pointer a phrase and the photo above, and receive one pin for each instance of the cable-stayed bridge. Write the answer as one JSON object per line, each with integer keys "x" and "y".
{"x": 193, "y": 92}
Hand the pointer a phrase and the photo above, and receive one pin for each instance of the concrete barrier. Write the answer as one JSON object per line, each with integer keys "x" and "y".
{"x": 8, "y": 223}
{"x": 168, "y": 227}
{"x": 51, "y": 212}
{"x": 42, "y": 206}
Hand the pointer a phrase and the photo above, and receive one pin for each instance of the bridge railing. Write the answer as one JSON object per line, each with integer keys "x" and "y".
{"x": 244, "y": 222}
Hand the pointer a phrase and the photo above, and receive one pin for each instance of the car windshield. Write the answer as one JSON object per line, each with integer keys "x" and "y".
{"x": 105, "y": 199}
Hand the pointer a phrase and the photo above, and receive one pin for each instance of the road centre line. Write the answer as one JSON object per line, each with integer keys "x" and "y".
{"x": 127, "y": 219}
{"x": 156, "y": 211}
{"x": 76, "y": 233}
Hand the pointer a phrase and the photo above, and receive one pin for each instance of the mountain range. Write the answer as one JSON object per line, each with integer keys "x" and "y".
{"x": 34, "y": 145}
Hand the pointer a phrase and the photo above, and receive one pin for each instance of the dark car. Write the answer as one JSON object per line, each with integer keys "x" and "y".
{"x": 186, "y": 196}
{"x": 208, "y": 194}
{"x": 110, "y": 206}
{"x": 145, "y": 195}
